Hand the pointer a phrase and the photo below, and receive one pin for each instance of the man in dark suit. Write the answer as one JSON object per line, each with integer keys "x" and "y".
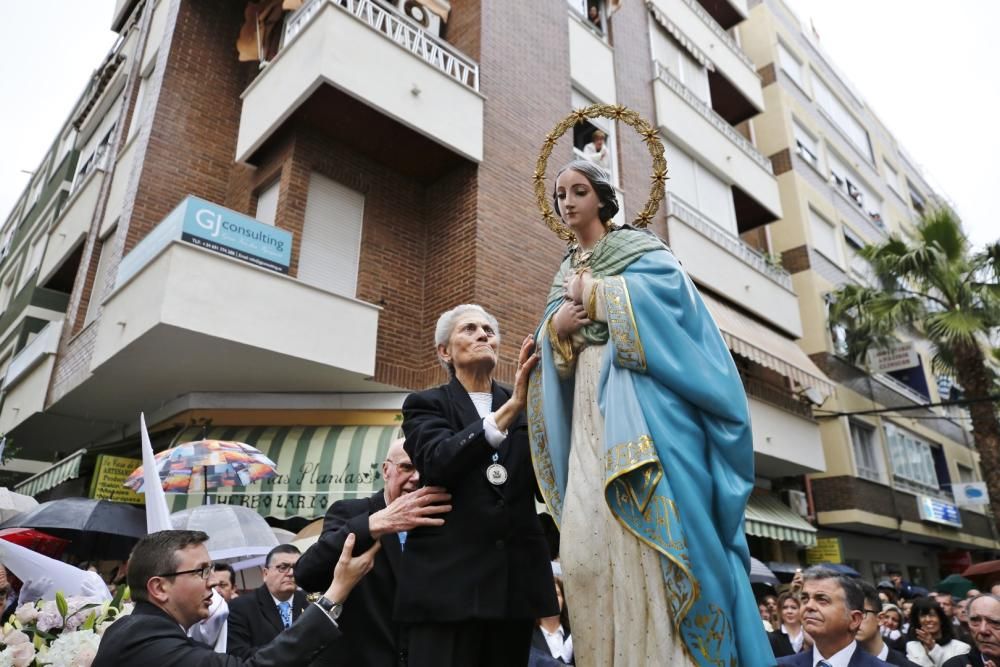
{"x": 869, "y": 634}
{"x": 472, "y": 588}
{"x": 832, "y": 611}
{"x": 257, "y": 618}
{"x": 169, "y": 574}
{"x": 984, "y": 622}
{"x": 371, "y": 637}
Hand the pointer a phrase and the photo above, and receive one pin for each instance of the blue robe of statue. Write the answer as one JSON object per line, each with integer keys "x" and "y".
{"x": 678, "y": 450}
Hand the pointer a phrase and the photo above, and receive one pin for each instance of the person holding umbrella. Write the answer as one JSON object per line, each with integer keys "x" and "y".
{"x": 170, "y": 575}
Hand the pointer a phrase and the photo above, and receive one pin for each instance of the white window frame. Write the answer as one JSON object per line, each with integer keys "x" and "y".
{"x": 838, "y": 256}
{"x": 806, "y": 145}
{"x": 269, "y": 196}
{"x": 867, "y": 452}
{"x": 912, "y": 458}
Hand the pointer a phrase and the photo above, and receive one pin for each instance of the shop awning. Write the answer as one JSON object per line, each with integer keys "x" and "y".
{"x": 57, "y": 473}
{"x": 681, "y": 38}
{"x": 768, "y": 348}
{"x": 317, "y": 465}
{"x": 769, "y": 517}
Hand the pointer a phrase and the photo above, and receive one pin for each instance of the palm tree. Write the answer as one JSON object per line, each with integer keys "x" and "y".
{"x": 950, "y": 296}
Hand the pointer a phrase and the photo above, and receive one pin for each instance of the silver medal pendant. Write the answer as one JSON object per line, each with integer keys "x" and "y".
{"x": 496, "y": 474}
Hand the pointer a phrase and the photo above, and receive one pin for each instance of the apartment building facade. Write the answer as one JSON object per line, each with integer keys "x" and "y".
{"x": 371, "y": 164}
{"x": 885, "y": 498}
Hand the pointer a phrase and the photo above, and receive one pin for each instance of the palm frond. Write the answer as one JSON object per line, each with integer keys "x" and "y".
{"x": 941, "y": 229}
{"x": 954, "y": 326}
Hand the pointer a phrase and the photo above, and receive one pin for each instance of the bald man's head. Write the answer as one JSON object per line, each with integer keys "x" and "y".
{"x": 984, "y": 623}
{"x": 397, "y": 469}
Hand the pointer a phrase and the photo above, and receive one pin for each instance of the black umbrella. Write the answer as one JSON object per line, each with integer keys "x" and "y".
{"x": 96, "y": 528}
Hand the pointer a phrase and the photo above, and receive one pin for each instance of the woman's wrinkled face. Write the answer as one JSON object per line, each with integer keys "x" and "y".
{"x": 579, "y": 204}
{"x": 790, "y": 612}
{"x": 473, "y": 343}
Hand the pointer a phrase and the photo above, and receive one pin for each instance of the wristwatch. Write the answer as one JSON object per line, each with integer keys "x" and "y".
{"x": 332, "y": 608}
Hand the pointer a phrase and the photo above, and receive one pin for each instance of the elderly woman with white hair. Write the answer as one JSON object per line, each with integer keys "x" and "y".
{"x": 471, "y": 589}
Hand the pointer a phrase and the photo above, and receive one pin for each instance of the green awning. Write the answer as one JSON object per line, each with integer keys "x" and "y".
{"x": 317, "y": 465}
{"x": 57, "y": 473}
{"x": 769, "y": 517}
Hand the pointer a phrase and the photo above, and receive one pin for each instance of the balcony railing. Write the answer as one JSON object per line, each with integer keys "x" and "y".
{"x": 397, "y": 28}
{"x": 720, "y": 32}
{"x": 776, "y": 397}
{"x": 709, "y": 114}
{"x": 901, "y": 388}
{"x": 45, "y": 342}
{"x": 693, "y": 218}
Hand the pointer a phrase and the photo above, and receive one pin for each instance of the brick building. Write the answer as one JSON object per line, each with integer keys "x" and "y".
{"x": 391, "y": 146}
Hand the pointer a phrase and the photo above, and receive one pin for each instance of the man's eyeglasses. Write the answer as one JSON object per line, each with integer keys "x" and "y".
{"x": 869, "y": 611}
{"x": 283, "y": 568}
{"x": 406, "y": 467}
{"x": 203, "y": 572}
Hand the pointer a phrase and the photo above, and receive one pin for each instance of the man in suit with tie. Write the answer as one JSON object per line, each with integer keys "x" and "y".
{"x": 832, "y": 612}
{"x": 256, "y": 619}
{"x": 169, "y": 574}
{"x": 371, "y": 637}
{"x": 984, "y": 623}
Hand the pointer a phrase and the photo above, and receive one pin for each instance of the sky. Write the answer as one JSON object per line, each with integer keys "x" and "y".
{"x": 929, "y": 70}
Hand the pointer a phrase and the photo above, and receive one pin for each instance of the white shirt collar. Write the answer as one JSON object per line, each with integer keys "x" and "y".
{"x": 884, "y": 653}
{"x": 839, "y": 659}
{"x": 277, "y": 602}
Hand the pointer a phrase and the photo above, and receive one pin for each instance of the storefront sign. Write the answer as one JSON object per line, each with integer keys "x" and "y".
{"x": 893, "y": 358}
{"x": 971, "y": 493}
{"x": 939, "y": 511}
{"x": 227, "y": 232}
{"x": 108, "y": 482}
{"x": 827, "y": 550}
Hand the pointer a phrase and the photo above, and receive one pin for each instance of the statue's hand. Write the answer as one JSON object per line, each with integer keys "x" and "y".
{"x": 569, "y": 318}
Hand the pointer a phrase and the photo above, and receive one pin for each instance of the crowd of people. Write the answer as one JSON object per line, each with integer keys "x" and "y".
{"x": 838, "y": 615}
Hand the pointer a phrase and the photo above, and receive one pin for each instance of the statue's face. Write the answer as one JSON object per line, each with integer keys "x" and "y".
{"x": 578, "y": 201}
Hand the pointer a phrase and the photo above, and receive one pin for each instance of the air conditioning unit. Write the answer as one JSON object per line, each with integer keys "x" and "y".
{"x": 797, "y": 501}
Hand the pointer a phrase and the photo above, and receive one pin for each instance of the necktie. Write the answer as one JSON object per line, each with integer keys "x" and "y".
{"x": 823, "y": 663}
{"x": 402, "y": 539}
{"x": 285, "y": 609}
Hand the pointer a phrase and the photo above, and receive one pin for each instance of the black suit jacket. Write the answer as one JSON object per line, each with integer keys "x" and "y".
{"x": 254, "y": 620}
{"x": 490, "y": 559}
{"x": 897, "y": 658}
{"x": 781, "y": 645}
{"x": 371, "y": 638}
{"x": 149, "y": 636}
{"x": 861, "y": 658}
{"x": 541, "y": 656}
{"x": 971, "y": 659}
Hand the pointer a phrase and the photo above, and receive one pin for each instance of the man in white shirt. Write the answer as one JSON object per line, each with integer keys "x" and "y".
{"x": 832, "y": 612}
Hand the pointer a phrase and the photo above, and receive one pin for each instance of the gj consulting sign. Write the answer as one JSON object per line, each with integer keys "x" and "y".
{"x": 227, "y": 232}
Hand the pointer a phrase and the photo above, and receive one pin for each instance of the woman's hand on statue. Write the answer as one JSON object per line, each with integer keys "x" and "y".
{"x": 526, "y": 362}
{"x": 570, "y": 317}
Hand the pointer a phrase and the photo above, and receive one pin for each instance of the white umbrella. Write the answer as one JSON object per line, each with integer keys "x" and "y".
{"x": 235, "y": 533}
{"x": 12, "y": 504}
{"x": 283, "y": 536}
{"x": 759, "y": 574}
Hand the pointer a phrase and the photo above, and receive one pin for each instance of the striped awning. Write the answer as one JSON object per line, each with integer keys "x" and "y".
{"x": 769, "y": 517}
{"x": 766, "y": 347}
{"x": 57, "y": 473}
{"x": 681, "y": 38}
{"x": 317, "y": 465}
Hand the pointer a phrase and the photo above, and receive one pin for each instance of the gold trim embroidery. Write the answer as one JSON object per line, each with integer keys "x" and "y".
{"x": 564, "y": 348}
{"x": 621, "y": 325}
{"x": 629, "y": 457}
{"x": 540, "y": 456}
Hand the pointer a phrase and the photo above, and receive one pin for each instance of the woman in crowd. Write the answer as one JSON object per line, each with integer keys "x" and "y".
{"x": 892, "y": 622}
{"x": 787, "y": 639}
{"x": 552, "y": 643}
{"x": 930, "y": 641}
{"x": 642, "y": 447}
{"x": 472, "y": 589}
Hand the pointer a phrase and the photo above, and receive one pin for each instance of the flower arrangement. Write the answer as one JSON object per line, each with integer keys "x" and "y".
{"x": 64, "y": 632}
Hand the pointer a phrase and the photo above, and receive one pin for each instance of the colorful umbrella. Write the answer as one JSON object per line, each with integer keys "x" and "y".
{"x": 194, "y": 467}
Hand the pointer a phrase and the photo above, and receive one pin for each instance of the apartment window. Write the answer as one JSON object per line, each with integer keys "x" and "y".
{"x": 331, "y": 236}
{"x": 34, "y": 260}
{"x": 100, "y": 278}
{"x": 917, "y": 200}
{"x": 7, "y": 289}
{"x": 892, "y": 177}
{"x": 842, "y": 118}
{"x": 866, "y": 452}
{"x": 849, "y": 183}
{"x": 585, "y": 143}
{"x": 680, "y": 63}
{"x": 806, "y": 145}
{"x": 966, "y": 475}
{"x": 791, "y": 66}
{"x": 912, "y": 458}
{"x": 859, "y": 266}
{"x": 824, "y": 237}
{"x": 137, "y": 113}
{"x": 267, "y": 203}
{"x": 692, "y": 182}
{"x": 592, "y": 11}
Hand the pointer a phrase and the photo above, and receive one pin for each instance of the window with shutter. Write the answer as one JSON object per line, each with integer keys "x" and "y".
{"x": 331, "y": 236}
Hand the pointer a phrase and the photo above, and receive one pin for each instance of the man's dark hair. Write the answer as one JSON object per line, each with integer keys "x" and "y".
{"x": 281, "y": 549}
{"x": 871, "y": 596}
{"x": 226, "y": 567}
{"x": 854, "y": 595}
{"x": 156, "y": 554}
{"x": 925, "y": 607}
